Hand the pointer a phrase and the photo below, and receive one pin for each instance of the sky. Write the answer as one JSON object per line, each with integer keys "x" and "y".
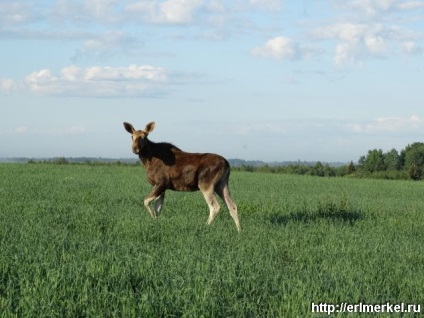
{"x": 270, "y": 80}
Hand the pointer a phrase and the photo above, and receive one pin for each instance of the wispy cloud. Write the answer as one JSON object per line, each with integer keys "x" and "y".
{"x": 316, "y": 138}
{"x": 101, "y": 29}
{"x": 166, "y": 12}
{"x": 376, "y": 7}
{"x": 96, "y": 81}
{"x": 379, "y": 33}
{"x": 73, "y": 130}
{"x": 262, "y": 127}
{"x": 388, "y": 125}
{"x": 59, "y": 131}
{"x": 8, "y": 85}
{"x": 373, "y": 29}
{"x": 412, "y": 48}
{"x": 108, "y": 44}
{"x": 84, "y": 12}
{"x": 410, "y": 5}
{"x": 267, "y": 4}
{"x": 329, "y": 127}
{"x": 21, "y": 130}
{"x": 15, "y": 13}
{"x": 283, "y": 48}
{"x": 356, "y": 41}
{"x": 279, "y": 48}
{"x": 360, "y": 29}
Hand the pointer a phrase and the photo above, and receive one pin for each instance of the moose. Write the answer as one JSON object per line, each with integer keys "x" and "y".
{"x": 168, "y": 167}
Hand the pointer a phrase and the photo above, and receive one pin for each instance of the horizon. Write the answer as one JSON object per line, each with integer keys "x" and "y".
{"x": 268, "y": 80}
{"x": 100, "y": 159}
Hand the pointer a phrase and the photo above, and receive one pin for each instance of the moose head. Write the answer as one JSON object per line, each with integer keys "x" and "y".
{"x": 139, "y": 137}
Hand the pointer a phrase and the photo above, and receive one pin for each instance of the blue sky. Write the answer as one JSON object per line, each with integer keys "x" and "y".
{"x": 261, "y": 79}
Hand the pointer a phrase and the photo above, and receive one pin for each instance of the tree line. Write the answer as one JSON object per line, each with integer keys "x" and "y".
{"x": 395, "y": 165}
{"x": 409, "y": 160}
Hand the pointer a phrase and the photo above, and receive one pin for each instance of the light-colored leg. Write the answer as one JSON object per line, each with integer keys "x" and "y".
{"x": 155, "y": 194}
{"x": 224, "y": 193}
{"x": 147, "y": 201}
{"x": 212, "y": 203}
{"x": 233, "y": 209}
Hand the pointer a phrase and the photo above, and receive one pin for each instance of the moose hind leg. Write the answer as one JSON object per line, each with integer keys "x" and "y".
{"x": 224, "y": 193}
{"x": 212, "y": 203}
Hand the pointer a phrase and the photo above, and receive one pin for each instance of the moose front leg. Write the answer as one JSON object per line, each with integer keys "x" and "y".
{"x": 157, "y": 193}
{"x": 159, "y": 203}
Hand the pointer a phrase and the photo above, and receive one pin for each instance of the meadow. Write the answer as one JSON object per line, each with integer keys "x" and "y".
{"x": 75, "y": 241}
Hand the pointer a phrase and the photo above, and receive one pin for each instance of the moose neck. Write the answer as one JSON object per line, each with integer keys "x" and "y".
{"x": 146, "y": 153}
{"x": 161, "y": 153}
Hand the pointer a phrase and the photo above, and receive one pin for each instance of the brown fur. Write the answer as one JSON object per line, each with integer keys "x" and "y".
{"x": 168, "y": 167}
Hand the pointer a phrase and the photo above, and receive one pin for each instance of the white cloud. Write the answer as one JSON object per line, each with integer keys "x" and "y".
{"x": 166, "y": 12}
{"x": 108, "y": 43}
{"x": 411, "y": 48}
{"x": 95, "y": 81}
{"x": 73, "y": 130}
{"x": 326, "y": 126}
{"x": 371, "y": 7}
{"x": 21, "y": 130}
{"x": 115, "y": 11}
{"x": 411, "y": 5}
{"x": 358, "y": 41}
{"x": 16, "y": 13}
{"x": 101, "y": 9}
{"x": 289, "y": 127}
{"x": 194, "y": 11}
{"x": 58, "y": 131}
{"x": 375, "y": 44}
{"x": 372, "y": 29}
{"x": 178, "y": 11}
{"x": 389, "y": 124}
{"x": 83, "y": 12}
{"x": 348, "y": 32}
{"x": 263, "y": 127}
{"x": 7, "y": 85}
{"x": 368, "y": 30}
{"x": 266, "y": 4}
{"x": 42, "y": 82}
{"x": 279, "y": 48}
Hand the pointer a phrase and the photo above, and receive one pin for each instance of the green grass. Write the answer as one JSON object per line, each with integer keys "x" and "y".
{"x": 76, "y": 242}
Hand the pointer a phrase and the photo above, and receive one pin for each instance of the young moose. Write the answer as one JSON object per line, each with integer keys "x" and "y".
{"x": 168, "y": 167}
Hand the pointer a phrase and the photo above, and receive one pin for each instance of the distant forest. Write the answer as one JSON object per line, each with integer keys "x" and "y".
{"x": 135, "y": 161}
{"x": 394, "y": 165}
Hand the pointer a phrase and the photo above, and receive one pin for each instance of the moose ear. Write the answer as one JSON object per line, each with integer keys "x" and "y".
{"x": 149, "y": 127}
{"x": 129, "y": 127}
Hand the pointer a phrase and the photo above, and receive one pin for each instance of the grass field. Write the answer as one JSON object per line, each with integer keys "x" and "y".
{"x": 75, "y": 241}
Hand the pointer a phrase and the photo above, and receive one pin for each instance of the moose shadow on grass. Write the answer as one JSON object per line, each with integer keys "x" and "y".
{"x": 329, "y": 211}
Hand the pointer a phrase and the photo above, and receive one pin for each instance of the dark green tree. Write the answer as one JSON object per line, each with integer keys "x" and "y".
{"x": 414, "y": 160}
{"x": 392, "y": 160}
{"x": 374, "y": 161}
{"x": 351, "y": 168}
{"x": 318, "y": 169}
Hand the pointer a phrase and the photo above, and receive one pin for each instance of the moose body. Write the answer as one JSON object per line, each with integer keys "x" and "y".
{"x": 168, "y": 167}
